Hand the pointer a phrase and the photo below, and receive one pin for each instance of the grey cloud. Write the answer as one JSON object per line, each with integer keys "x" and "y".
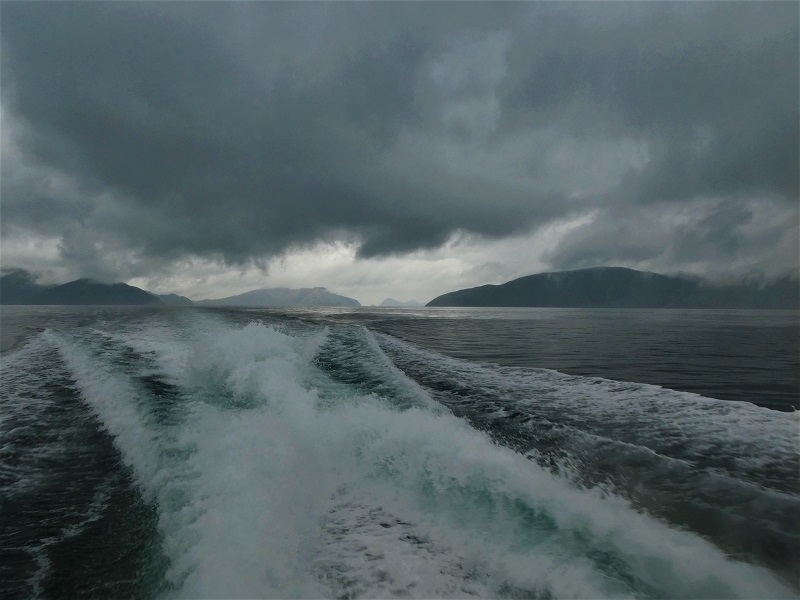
{"x": 716, "y": 238}
{"x": 240, "y": 131}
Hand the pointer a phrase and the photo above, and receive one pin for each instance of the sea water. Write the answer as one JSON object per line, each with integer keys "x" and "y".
{"x": 526, "y": 453}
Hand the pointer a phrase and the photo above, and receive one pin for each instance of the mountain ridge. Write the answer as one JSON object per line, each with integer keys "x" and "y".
{"x": 175, "y": 299}
{"x": 620, "y": 287}
{"x": 18, "y": 286}
{"x": 316, "y": 296}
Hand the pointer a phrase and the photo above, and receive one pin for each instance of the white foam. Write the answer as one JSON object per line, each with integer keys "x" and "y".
{"x": 278, "y": 469}
{"x": 114, "y": 400}
{"x": 650, "y": 416}
{"x": 417, "y": 390}
{"x": 265, "y": 491}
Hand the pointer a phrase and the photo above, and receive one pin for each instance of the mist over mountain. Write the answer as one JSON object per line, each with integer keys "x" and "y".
{"x": 284, "y": 297}
{"x": 396, "y": 303}
{"x": 86, "y": 291}
{"x": 618, "y": 287}
{"x": 18, "y": 286}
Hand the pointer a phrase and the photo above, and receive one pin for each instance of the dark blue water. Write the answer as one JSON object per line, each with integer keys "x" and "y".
{"x": 186, "y": 452}
{"x": 745, "y": 355}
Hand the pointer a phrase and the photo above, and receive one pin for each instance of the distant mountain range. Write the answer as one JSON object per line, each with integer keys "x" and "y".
{"x": 284, "y": 297}
{"x": 393, "y": 302}
{"x": 618, "y": 287}
{"x": 602, "y": 287}
{"x": 19, "y": 287}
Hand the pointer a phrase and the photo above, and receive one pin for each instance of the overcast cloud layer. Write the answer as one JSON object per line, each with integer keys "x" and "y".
{"x": 142, "y": 138}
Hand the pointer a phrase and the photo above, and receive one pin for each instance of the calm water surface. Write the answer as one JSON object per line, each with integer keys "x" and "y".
{"x": 745, "y": 355}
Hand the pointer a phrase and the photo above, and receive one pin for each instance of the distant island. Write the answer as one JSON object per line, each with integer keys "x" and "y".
{"x": 18, "y": 286}
{"x": 618, "y": 287}
{"x": 399, "y": 303}
{"x": 284, "y": 297}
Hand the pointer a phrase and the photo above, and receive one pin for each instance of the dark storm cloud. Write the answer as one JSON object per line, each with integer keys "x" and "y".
{"x": 242, "y": 130}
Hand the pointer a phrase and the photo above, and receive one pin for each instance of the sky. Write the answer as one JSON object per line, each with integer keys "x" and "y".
{"x": 396, "y": 149}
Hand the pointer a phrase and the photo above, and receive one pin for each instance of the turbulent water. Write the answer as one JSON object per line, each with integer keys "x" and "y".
{"x": 189, "y": 453}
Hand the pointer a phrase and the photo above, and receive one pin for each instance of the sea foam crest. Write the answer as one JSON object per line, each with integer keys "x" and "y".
{"x": 114, "y": 400}
{"x": 286, "y": 496}
{"x": 283, "y": 468}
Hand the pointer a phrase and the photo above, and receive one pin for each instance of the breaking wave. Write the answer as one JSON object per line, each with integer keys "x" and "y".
{"x": 291, "y": 460}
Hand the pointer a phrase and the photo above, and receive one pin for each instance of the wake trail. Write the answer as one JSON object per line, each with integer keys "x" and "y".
{"x": 315, "y": 462}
